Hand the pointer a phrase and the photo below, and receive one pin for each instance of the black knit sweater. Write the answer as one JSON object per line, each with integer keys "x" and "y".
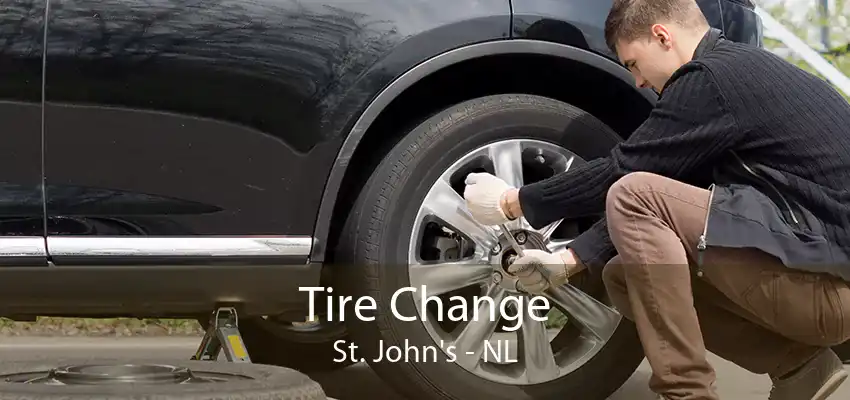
{"x": 730, "y": 97}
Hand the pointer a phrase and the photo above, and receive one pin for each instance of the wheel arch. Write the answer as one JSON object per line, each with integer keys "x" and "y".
{"x": 390, "y": 110}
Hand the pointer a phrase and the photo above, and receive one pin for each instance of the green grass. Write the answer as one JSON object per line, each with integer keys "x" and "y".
{"x": 555, "y": 319}
{"x": 48, "y": 326}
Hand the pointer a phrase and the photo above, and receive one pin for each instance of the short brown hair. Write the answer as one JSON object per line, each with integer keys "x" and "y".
{"x": 631, "y": 19}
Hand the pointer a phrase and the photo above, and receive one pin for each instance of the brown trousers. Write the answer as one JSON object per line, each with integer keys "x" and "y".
{"x": 746, "y": 307}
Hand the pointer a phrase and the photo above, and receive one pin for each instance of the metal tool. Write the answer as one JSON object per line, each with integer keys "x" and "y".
{"x": 223, "y": 334}
{"x": 512, "y": 239}
{"x": 517, "y": 249}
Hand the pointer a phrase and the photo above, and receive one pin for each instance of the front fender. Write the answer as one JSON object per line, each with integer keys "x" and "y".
{"x": 419, "y": 72}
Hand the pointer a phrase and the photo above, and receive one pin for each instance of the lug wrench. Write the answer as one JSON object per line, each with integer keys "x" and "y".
{"x": 515, "y": 245}
{"x": 517, "y": 249}
{"x": 512, "y": 239}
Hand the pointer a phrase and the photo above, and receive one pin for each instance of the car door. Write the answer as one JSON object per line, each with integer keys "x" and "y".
{"x": 21, "y": 204}
{"x": 171, "y": 131}
{"x": 736, "y": 18}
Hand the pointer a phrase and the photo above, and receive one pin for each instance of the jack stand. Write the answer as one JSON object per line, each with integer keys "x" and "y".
{"x": 223, "y": 334}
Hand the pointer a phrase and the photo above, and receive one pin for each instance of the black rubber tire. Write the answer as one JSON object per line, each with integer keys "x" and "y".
{"x": 308, "y": 352}
{"x": 377, "y": 234}
{"x": 269, "y": 382}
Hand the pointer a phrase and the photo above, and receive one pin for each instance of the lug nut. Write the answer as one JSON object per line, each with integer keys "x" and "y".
{"x": 510, "y": 260}
{"x": 539, "y": 156}
{"x": 520, "y": 237}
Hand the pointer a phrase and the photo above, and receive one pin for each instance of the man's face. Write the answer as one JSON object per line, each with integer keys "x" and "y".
{"x": 651, "y": 59}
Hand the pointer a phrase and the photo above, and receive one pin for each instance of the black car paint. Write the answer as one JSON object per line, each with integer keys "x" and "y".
{"x": 239, "y": 109}
{"x": 189, "y": 117}
{"x": 236, "y": 109}
{"x": 21, "y": 37}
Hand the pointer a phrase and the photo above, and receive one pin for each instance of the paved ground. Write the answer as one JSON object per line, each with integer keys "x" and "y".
{"x": 355, "y": 383}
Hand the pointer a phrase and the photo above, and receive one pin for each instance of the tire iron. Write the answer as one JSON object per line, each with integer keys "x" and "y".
{"x": 512, "y": 240}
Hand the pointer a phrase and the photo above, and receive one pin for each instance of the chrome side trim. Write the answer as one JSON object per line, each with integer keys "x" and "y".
{"x": 191, "y": 246}
{"x": 22, "y": 246}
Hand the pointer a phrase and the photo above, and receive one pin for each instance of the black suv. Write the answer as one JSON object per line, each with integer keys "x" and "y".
{"x": 164, "y": 158}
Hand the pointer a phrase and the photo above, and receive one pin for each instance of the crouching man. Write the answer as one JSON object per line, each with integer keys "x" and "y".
{"x": 726, "y": 213}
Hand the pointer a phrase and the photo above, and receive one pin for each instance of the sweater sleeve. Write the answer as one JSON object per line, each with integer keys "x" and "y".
{"x": 689, "y": 126}
{"x": 594, "y": 247}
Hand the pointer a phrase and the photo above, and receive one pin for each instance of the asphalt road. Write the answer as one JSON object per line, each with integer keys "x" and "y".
{"x": 357, "y": 382}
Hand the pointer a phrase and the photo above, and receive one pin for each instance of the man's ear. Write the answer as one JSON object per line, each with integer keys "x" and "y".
{"x": 663, "y": 35}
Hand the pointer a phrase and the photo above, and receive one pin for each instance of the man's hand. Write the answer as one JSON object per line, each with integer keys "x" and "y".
{"x": 539, "y": 270}
{"x": 485, "y": 196}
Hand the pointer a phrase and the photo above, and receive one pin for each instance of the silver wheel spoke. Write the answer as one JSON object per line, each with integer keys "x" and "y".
{"x": 569, "y": 163}
{"x": 507, "y": 161}
{"x": 441, "y": 278}
{"x": 597, "y": 318}
{"x": 540, "y": 363}
{"x": 444, "y": 203}
{"x": 557, "y": 246}
{"x": 548, "y": 230}
{"x": 469, "y": 345}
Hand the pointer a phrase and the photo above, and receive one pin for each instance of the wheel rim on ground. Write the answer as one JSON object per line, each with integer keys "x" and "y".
{"x": 477, "y": 266}
{"x": 148, "y": 374}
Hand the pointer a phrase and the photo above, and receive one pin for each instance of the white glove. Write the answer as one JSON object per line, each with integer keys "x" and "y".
{"x": 539, "y": 270}
{"x": 483, "y": 196}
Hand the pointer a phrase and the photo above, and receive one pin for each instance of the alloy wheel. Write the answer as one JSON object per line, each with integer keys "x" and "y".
{"x": 453, "y": 256}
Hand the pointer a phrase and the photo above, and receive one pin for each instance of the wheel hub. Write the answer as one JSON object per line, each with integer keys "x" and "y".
{"x": 503, "y": 256}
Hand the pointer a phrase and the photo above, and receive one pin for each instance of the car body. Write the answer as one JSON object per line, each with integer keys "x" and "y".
{"x": 183, "y": 132}
{"x": 165, "y": 158}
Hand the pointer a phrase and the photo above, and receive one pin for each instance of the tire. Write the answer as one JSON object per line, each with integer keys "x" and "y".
{"x": 265, "y": 382}
{"x": 378, "y": 231}
{"x": 271, "y": 342}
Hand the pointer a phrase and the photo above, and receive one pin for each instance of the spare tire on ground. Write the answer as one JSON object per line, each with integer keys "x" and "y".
{"x": 70, "y": 379}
